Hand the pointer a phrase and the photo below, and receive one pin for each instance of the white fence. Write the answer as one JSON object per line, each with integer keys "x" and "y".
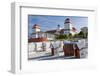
{"x": 38, "y": 46}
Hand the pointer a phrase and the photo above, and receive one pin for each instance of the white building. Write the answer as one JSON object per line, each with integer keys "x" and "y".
{"x": 50, "y": 34}
{"x": 68, "y": 27}
{"x": 36, "y": 30}
{"x": 38, "y": 34}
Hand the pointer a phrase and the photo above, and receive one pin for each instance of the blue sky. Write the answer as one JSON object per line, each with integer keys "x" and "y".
{"x": 51, "y": 22}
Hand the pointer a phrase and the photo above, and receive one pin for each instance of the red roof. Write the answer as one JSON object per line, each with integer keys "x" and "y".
{"x": 37, "y": 39}
{"x": 73, "y": 29}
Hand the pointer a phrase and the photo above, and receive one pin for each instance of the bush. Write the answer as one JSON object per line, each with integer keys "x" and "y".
{"x": 61, "y": 37}
{"x": 82, "y": 34}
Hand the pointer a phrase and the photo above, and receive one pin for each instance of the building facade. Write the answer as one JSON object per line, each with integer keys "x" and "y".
{"x": 50, "y": 34}
{"x": 68, "y": 27}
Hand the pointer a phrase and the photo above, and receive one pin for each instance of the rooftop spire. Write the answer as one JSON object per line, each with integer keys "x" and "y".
{"x": 36, "y": 26}
{"x": 67, "y": 21}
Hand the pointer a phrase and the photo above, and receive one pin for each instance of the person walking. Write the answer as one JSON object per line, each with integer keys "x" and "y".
{"x": 52, "y": 49}
{"x": 44, "y": 46}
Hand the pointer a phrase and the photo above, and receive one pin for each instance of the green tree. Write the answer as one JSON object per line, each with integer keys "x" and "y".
{"x": 70, "y": 36}
{"x": 61, "y": 37}
{"x": 75, "y": 36}
{"x": 81, "y": 34}
{"x": 85, "y": 34}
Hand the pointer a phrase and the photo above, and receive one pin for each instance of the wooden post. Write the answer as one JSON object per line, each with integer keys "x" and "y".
{"x": 77, "y": 51}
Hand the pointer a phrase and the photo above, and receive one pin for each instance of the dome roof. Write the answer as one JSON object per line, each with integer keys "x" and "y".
{"x": 67, "y": 20}
{"x": 36, "y": 26}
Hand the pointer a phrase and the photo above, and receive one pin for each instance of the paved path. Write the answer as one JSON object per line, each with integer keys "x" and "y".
{"x": 83, "y": 54}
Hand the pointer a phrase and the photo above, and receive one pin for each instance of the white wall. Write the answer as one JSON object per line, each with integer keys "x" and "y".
{"x": 5, "y": 42}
